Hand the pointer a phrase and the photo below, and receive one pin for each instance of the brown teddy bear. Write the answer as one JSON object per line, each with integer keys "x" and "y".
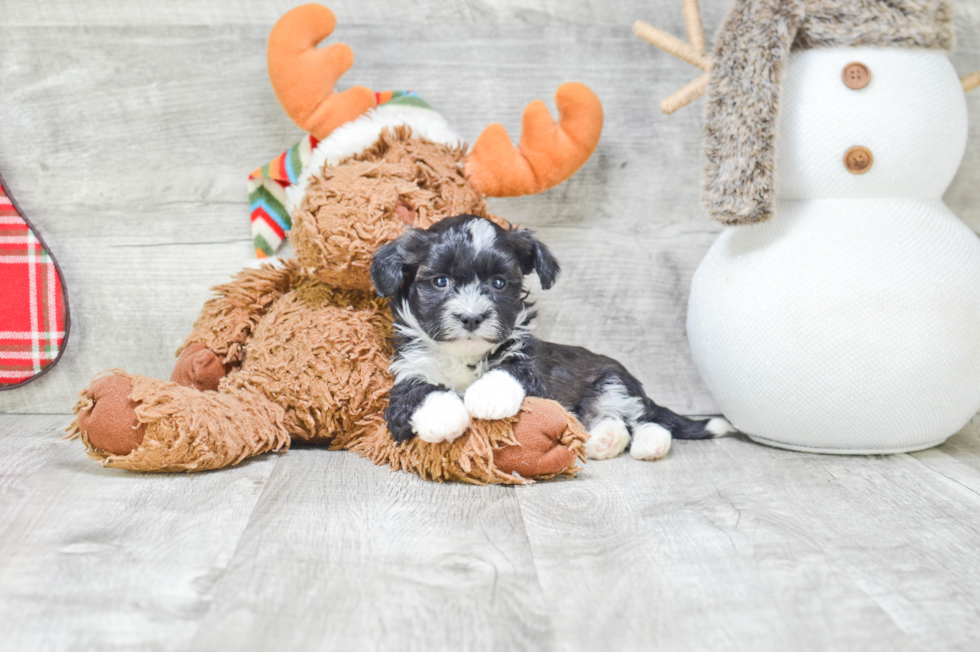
{"x": 302, "y": 349}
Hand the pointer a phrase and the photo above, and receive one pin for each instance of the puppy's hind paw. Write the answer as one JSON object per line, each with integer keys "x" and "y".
{"x": 441, "y": 417}
{"x": 607, "y": 438}
{"x": 495, "y": 395}
{"x": 719, "y": 427}
{"x": 650, "y": 442}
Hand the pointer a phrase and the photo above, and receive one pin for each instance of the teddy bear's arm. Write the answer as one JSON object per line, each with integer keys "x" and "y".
{"x": 227, "y": 320}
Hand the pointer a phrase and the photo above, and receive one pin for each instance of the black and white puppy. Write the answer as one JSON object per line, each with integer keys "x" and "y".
{"x": 463, "y": 329}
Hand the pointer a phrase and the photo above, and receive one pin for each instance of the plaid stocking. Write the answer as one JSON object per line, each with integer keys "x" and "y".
{"x": 33, "y": 304}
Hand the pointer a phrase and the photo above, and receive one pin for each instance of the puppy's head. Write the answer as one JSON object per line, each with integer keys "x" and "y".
{"x": 462, "y": 280}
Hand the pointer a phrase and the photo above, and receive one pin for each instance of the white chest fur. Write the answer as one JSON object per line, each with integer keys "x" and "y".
{"x": 433, "y": 365}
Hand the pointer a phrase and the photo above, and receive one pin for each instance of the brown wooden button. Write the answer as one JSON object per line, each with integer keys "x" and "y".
{"x": 858, "y": 160}
{"x": 856, "y": 75}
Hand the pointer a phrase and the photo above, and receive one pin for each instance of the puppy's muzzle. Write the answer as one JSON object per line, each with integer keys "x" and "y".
{"x": 471, "y": 322}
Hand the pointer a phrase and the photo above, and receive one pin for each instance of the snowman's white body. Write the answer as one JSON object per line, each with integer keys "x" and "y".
{"x": 850, "y": 322}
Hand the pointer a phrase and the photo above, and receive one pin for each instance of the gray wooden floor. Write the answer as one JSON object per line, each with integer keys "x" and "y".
{"x": 127, "y": 130}
{"x": 724, "y": 545}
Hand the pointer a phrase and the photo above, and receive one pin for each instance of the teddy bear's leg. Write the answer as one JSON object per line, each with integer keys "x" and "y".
{"x": 143, "y": 424}
{"x": 549, "y": 441}
{"x": 228, "y": 319}
{"x": 540, "y": 442}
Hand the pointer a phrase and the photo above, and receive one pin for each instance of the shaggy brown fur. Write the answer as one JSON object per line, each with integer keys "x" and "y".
{"x": 749, "y": 59}
{"x": 307, "y": 348}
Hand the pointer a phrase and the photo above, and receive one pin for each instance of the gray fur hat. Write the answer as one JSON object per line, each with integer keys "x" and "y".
{"x": 749, "y": 58}
{"x": 744, "y": 84}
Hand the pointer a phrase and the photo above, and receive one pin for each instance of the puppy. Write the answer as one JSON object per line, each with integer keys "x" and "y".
{"x": 463, "y": 329}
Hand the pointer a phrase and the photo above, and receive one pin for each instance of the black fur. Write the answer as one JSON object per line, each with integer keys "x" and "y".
{"x": 464, "y": 254}
{"x": 406, "y": 398}
{"x": 534, "y": 257}
{"x": 396, "y": 261}
{"x": 576, "y": 378}
{"x": 404, "y": 270}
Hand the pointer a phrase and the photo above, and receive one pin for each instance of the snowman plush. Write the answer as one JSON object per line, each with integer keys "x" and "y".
{"x": 839, "y": 311}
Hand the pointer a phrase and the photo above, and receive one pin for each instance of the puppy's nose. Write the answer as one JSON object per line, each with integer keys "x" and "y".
{"x": 471, "y": 322}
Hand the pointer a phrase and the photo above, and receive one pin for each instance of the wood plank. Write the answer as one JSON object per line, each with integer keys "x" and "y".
{"x": 343, "y": 555}
{"x": 731, "y": 545}
{"x": 133, "y": 125}
{"x": 140, "y": 192}
{"x": 100, "y": 559}
{"x": 128, "y": 130}
{"x": 472, "y": 14}
{"x": 957, "y": 461}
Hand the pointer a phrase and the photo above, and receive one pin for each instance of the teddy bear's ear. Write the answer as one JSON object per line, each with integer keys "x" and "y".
{"x": 395, "y": 262}
{"x": 534, "y": 256}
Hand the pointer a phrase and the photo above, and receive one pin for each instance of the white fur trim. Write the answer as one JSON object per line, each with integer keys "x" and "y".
{"x": 607, "y": 438}
{"x": 496, "y": 395}
{"x": 651, "y": 441}
{"x": 356, "y": 136}
{"x": 441, "y": 417}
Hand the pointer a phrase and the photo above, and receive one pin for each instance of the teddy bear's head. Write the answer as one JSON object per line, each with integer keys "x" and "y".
{"x": 353, "y": 208}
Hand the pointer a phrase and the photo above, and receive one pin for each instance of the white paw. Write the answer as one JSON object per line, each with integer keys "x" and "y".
{"x": 650, "y": 442}
{"x": 607, "y": 438}
{"x": 719, "y": 427}
{"x": 441, "y": 417}
{"x": 495, "y": 395}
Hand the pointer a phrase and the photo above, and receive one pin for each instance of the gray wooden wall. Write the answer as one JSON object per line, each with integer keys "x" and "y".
{"x": 127, "y": 131}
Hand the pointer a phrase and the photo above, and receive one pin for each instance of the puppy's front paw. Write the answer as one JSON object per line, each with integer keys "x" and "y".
{"x": 607, "y": 438}
{"x": 496, "y": 395}
{"x": 650, "y": 442}
{"x": 441, "y": 417}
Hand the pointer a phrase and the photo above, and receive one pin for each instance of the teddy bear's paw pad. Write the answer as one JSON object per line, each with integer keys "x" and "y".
{"x": 607, "y": 438}
{"x": 109, "y": 423}
{"x": 650, "y": 442}
{"x": 441, "y": 417}
{"x": 496, "y": 395}
{"x": 198, "y": 367}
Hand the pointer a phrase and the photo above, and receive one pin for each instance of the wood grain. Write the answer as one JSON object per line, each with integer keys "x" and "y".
{"x": 129, "y": 128}
{"x": 126, "y": 133}
{"x": 352, "y": 556}
{"x": 97, "y": 559}
{"x": 725, "y": 544}
{"x": 731, "y": 545}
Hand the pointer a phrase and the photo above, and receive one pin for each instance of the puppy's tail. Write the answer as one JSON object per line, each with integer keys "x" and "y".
{"x": 684, "y": 428}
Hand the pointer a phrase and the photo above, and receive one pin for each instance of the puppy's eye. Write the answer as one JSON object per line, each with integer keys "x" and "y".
{"x": 441, "y": 282}
{"x": 498, "y": 283}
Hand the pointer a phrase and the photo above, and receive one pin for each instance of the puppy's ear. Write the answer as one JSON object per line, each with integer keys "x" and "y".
{"x": 394, "y": 263}
{"x": 534, "y": 256}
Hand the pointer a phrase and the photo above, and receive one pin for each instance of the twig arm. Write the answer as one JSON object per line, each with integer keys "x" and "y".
{"x": 671, "y": 45}
{"x": 970, "y": 81}
{"x": 692, "y": 20}
{"x": 685, "y": 95}
{"x": 694, "y": 52}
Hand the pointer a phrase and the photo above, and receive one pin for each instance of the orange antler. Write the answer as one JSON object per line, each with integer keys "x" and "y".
{"x": 548, "y": 152}
{"x": 304, "y": 77}
{"x": 693, "y": 52}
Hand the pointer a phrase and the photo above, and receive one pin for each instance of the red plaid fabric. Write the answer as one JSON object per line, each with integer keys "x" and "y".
{"x": 33, "y": 311}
